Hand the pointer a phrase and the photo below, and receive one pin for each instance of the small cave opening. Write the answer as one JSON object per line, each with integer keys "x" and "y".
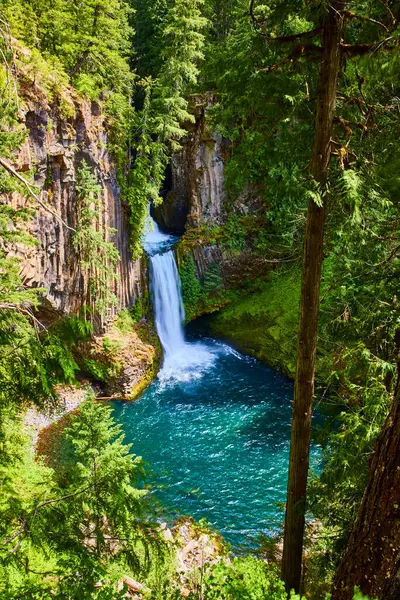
{"x": 171, "y": 215}
{"x": 168, "y": 183}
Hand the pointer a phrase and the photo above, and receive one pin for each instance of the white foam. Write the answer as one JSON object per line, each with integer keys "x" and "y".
{"x": 189, "y": 363}
{"x": 154, "y": 241}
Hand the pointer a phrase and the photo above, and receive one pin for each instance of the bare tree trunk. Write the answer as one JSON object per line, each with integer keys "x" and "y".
{"x": 309, "y": 303}
{"x": 372, "y": 557}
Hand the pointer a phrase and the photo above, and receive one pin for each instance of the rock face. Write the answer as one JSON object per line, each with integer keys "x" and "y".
{"x": 197, "y": 205}
{"x": 55, "y": 147}
{"x": 194, "y": 188}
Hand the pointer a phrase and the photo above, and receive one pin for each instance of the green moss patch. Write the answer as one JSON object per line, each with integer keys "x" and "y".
{"x": 263, "y": 323}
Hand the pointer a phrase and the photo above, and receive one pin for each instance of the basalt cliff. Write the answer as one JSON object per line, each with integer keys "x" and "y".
{"x": 54, "y": 148}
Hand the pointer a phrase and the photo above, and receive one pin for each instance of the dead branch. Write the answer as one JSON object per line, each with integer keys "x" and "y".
{"x": 22, "y": 310}
{"x": 350, "y": 15}
{"x": 13, "y": 172}
{"x": 346, "y": 125}
{"x": 352, "y": 50}
{"x": 357, "y": 101}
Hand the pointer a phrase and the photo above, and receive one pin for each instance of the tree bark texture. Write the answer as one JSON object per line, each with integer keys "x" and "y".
{"x": 372, "y": 557}
{"x": 309, "y": 303}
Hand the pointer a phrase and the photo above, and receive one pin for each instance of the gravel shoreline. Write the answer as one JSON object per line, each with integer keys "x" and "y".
{"x": 35, "y": 420}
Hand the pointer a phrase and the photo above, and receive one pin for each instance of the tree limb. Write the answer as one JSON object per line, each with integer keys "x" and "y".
{"x": 350, "y": 15}
{"x": 347, "y": 124}
{"x": 80, "y": 62}
{"x": 363, "y": 49}
{"x": 388, "y": 258}
{"x": 255, "y": 21}
{"x": 308, "y": 50}
{"x": 13, "y": 172}
{"x": 24, "y": 311}
{"x": 32, "y": 515}
{"x": 284, "y": 39}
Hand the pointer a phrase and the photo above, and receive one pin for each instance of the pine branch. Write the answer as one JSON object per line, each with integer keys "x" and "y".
{"x": 14, "y": 173}
{"x": 24, "y": 528}
{"x": 392, "y": 254}
{"x": 310, "y": 51}
{"x": 283, "y": 39}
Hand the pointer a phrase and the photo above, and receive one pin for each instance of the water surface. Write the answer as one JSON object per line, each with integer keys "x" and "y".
{"x": 215, "y": 429}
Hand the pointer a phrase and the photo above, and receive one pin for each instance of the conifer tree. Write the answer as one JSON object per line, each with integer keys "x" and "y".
{"x": 90, "y": 39}
{"x": 105, "y": 505}
{"x": 329, "y": 24}
{"x": 371, "y": 558}
{"x": 160, "y": 123}
{"x": 98, "y": 515}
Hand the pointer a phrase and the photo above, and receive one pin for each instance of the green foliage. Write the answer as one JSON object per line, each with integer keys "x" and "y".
{"x": 359, "y": 324}
{"x": 103, "y": 365}
{"x": 265, "y": 110}
{"x": 98, "y": 518}
{"x": 213, "y": 279}
{"x": 234, "y": 235}
{"x": 263, "y": 321}
{"x": 97, "y": 256}
{"x": 159, "y": 123}
{"x": 125, "y": 321}
{"x": 104, "y": 479}
{"x": 137, "y": 310}
{"x": 245, "y": 578}
{"x": 90, "y": 40}
{"x": 181, "y": 50}
{"x": 149, "y": 21}
{"x": 191, "y": 286}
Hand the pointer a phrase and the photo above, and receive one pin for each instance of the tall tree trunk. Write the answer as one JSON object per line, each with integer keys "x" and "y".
{"x": 309, "y": 303}
{"x": 372, "y": 557}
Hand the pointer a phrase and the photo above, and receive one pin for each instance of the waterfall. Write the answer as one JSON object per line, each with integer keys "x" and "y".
{"x": 167, "y": 302}
{"x": 183, "y": 361}
{"x": 165, "y": 286}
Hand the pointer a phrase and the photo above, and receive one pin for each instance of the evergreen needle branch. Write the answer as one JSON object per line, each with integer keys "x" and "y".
{"x": 34, "y": 512}
{"x": 13, "y": 172}
{"x": 388, "y": 258}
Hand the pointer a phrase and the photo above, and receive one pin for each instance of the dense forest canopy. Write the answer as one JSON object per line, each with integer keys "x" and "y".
{"x": 306, "y": 96}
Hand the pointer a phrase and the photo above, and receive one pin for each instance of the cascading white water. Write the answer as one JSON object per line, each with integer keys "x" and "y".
{"x": 167, "y": 302}
{"x": 182, "y": 361}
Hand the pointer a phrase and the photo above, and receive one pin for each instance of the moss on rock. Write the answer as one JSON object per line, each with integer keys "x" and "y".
{"x": 125, "y": 360}
{"x": 263, "y": 323}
